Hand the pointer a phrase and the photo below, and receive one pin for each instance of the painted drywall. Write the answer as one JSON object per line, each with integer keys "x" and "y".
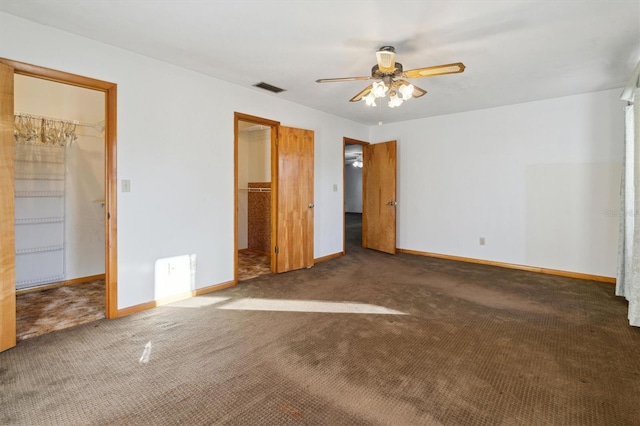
{"x": 84, "y": 227}
{"x": 259, "y": 159}
{"x": 352, "y": 189}
{"x": 254, "y": 165}
{"x": 243, "y": 195}
{"x": 175, "y": 145}
{"x": 539, "y": 181}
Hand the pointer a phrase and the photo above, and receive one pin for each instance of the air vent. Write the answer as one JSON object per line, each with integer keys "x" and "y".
{"x": 268, "y": 87}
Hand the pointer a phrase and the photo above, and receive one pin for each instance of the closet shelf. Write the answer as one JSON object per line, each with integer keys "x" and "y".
{"x": 38, "y": 281}
{"x": 40, "y": 161}
{"x": 38, "y": 220}
{"x": 38, "y": 249}
{"x": 36, "y": 194}
{"x": 38, "y": 176}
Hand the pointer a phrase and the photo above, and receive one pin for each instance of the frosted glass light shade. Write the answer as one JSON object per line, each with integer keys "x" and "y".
{"x": 394, "y": 100}
{"x": 370, "y": 99}
{"x": 406, "y": 90}
{"x": 379, "y": 89}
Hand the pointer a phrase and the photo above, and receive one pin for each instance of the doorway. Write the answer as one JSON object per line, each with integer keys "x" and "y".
{"x": 254, "y": 199}
{"x": 8, "y": 69}
{"x": 353, "y": 163}
{"x": 292, "y": 194}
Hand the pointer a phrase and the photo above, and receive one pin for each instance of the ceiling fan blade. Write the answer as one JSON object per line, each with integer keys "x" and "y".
{"x": 362, "y": 94}
{"x": 417, "y": 92}
{"x": 437, "y": 70}
{"x": 334, "y": 80}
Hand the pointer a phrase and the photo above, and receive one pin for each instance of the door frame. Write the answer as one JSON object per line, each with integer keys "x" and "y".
{"x": 345, "y": 141}
{"x": 110, "y": 190}
{"x": 274, "y": 125}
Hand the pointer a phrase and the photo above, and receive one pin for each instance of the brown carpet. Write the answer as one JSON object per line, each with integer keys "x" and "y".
{"x": 251, "y": 265}
{"x": 44, "y": 311}
{"x": 475, "y": 345}
{"x": 41, "y": 312}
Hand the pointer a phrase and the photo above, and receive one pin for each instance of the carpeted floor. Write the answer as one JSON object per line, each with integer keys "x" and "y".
{"x": 41, "y": 312}
{"x": 251, "y": 265}
{"x": 353, "y": 229}
{"x": 367, "y": 338}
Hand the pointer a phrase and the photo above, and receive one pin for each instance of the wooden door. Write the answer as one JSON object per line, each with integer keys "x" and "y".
{"x": 293, "y": 221}
{"x": 379, "y": 197}
{"x": 7, "y": 230}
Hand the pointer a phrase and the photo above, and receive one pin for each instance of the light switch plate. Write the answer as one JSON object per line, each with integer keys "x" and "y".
{"x": 126, "y": 185}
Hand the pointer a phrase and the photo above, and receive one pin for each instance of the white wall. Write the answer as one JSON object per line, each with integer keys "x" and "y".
{"x": 540, "y": 181}
{"x": 175, "y": 144}
{"x": 243, "y": 196}
{"x": 259, "y": 161}
{"x": 84, "y": 184}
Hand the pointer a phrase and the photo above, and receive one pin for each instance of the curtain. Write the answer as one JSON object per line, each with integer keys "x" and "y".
{"x": 628, "y": 279}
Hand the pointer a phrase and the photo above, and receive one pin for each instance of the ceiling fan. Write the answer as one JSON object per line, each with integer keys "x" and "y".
{"x": 389, "y": 77}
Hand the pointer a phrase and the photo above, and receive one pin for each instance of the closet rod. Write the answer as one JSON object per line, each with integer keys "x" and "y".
{"x": 255, "y": 189}
{"x": 64, "y": 120}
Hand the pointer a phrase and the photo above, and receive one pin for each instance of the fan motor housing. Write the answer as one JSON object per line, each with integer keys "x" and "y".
{"x": 376, "y": 73}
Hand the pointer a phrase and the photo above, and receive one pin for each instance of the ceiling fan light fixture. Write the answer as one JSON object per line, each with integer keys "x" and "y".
{"x": 394, "y": 100}
{"x": 370, "y": 99}
{"x": 379, "y": 89}
{"x": 389, "y": 78}
{"x": 358, "y": 162}
{"x": 406, "y": 90}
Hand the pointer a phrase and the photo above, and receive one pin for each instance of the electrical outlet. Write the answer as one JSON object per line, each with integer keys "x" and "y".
{"x": 482, "y": 241}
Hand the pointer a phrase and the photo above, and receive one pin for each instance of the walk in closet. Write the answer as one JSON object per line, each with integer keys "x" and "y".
{"x": 59, "y": 182}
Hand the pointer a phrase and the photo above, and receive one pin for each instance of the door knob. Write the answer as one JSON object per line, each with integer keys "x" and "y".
{"x": 392, "y": 203}
{"x": 311, "y": 205}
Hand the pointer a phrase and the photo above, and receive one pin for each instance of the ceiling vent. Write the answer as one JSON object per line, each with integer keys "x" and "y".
{"x": 268, "y": 87}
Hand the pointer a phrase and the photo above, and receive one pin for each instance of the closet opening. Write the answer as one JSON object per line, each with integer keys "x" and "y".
{"x": 59, "y": 205}
{"x": 8, "y": 71}
{"x": 254, "y": 198}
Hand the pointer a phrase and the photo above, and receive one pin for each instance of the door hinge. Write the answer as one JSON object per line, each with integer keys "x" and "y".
{"x": 277, "y": 250}
{"x": 277, "y": 141}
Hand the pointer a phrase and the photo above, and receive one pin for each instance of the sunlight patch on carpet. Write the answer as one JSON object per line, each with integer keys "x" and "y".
{"x": 197, "y": 302}
{"x": 250, "y": 304}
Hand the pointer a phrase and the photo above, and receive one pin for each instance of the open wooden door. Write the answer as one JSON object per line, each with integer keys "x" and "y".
{"x": 379, "y": 197}
{"x": 292, "y": 236}
{"x": 7, "y": 248}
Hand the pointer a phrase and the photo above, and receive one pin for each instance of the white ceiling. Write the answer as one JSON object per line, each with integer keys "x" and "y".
{"x": 515, "y": 51}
